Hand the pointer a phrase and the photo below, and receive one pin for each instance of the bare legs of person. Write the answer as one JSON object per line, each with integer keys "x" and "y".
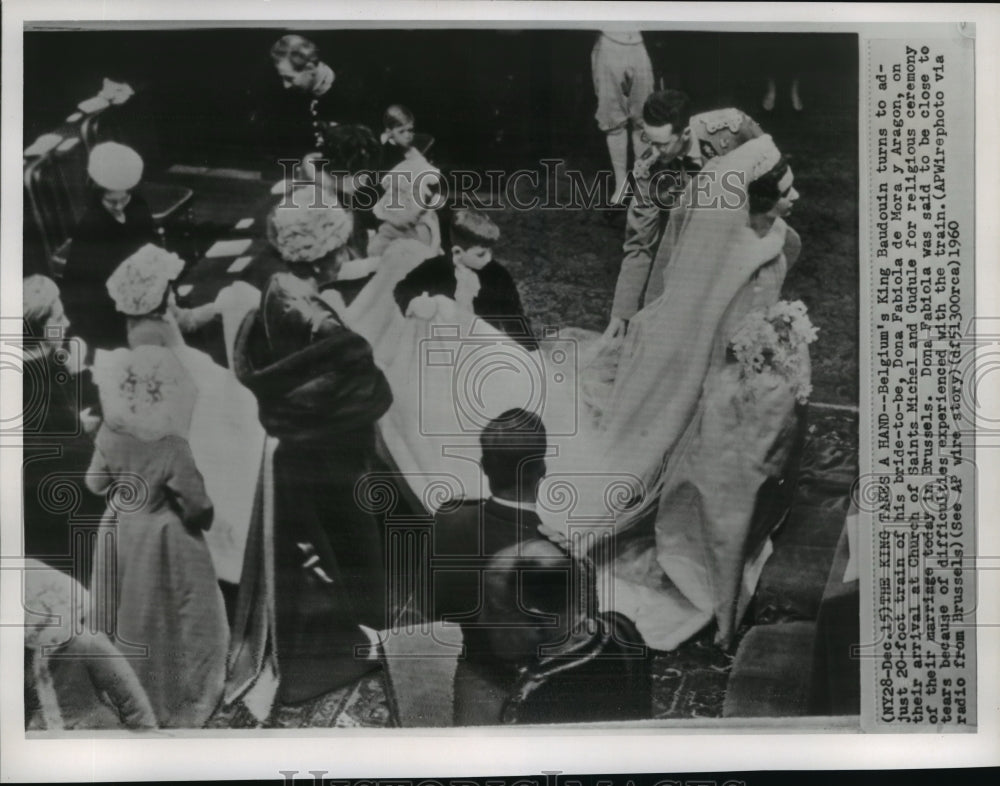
{"x": 618, "y": 151}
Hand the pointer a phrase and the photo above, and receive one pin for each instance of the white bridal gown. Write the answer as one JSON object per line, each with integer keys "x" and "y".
{"x": 661, "y": 448}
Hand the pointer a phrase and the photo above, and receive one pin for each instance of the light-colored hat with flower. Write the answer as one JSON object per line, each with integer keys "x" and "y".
{"x": 303, "y": 231}
{"x": 145, "y": 392}
{"x": 139, "y": 284}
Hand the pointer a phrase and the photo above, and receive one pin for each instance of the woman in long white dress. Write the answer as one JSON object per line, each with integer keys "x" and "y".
{"x": 690, "y": 431}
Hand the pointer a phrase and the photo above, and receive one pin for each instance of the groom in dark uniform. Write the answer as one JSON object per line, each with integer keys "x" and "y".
{"x": 679, "y": 145}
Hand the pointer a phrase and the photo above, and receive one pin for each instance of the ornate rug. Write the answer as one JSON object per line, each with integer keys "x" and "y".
{"x": 365, "y": 704}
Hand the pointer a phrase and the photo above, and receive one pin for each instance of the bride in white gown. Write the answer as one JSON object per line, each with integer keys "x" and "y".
{"x": 695, "y": 431}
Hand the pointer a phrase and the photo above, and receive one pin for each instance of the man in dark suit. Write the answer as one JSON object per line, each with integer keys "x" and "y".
{"x": 294, "y": 121}
{"x": 468, "y": 533}
{"x": 534, "y": 640}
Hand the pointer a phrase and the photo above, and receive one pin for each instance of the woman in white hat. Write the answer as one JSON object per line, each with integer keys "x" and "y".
{"x": 116, "y": 224}
{"x": 227, "y": 439}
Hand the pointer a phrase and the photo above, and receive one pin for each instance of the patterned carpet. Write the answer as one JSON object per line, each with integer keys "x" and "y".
{"x": 690, "y": 682}
{"x": 365, "y": 704}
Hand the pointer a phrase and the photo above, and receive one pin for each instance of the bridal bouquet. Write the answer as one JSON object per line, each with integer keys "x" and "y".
{"x": 775, "y": 340}
{"x": 304, "y": 234}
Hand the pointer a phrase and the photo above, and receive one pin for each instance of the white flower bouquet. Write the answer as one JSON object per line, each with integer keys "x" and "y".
{"x": 775, "y": 341}
{"x": 301, "y": 233}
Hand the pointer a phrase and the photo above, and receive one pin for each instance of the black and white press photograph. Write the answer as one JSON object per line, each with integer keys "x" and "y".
{"x": 430, "y": 376}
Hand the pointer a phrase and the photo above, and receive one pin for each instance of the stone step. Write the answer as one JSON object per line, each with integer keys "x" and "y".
{"x": 792, "y": 583}
{"x": 772, "y": 672}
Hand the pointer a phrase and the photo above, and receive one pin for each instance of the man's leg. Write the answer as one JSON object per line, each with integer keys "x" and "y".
{"x": 770, "y": 96}
{"x": 618, "y": 150}
{"x": 796, "y": 98}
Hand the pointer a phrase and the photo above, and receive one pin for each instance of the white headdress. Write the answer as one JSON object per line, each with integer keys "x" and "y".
{"x": 302, "y": 233}
{"x": 114, "y": 166}
{"x": 766, "y": 155}
{"x": 140, "y": 283}
{"x": 54, "y": 604}
{"x": 54, "y": 609}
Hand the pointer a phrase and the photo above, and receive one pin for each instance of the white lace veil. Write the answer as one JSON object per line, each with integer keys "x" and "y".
{"x": 671, "y": 341}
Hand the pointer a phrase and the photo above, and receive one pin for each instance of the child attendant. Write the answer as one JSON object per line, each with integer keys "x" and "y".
{"x": 473, "y": 236}
{"x": 397, "y": 139}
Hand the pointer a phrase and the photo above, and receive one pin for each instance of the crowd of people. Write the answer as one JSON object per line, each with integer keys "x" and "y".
{"x": 238, "y": 558}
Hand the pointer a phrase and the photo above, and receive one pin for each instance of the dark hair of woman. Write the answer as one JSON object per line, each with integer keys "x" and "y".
{"x": 763, "y": 193}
